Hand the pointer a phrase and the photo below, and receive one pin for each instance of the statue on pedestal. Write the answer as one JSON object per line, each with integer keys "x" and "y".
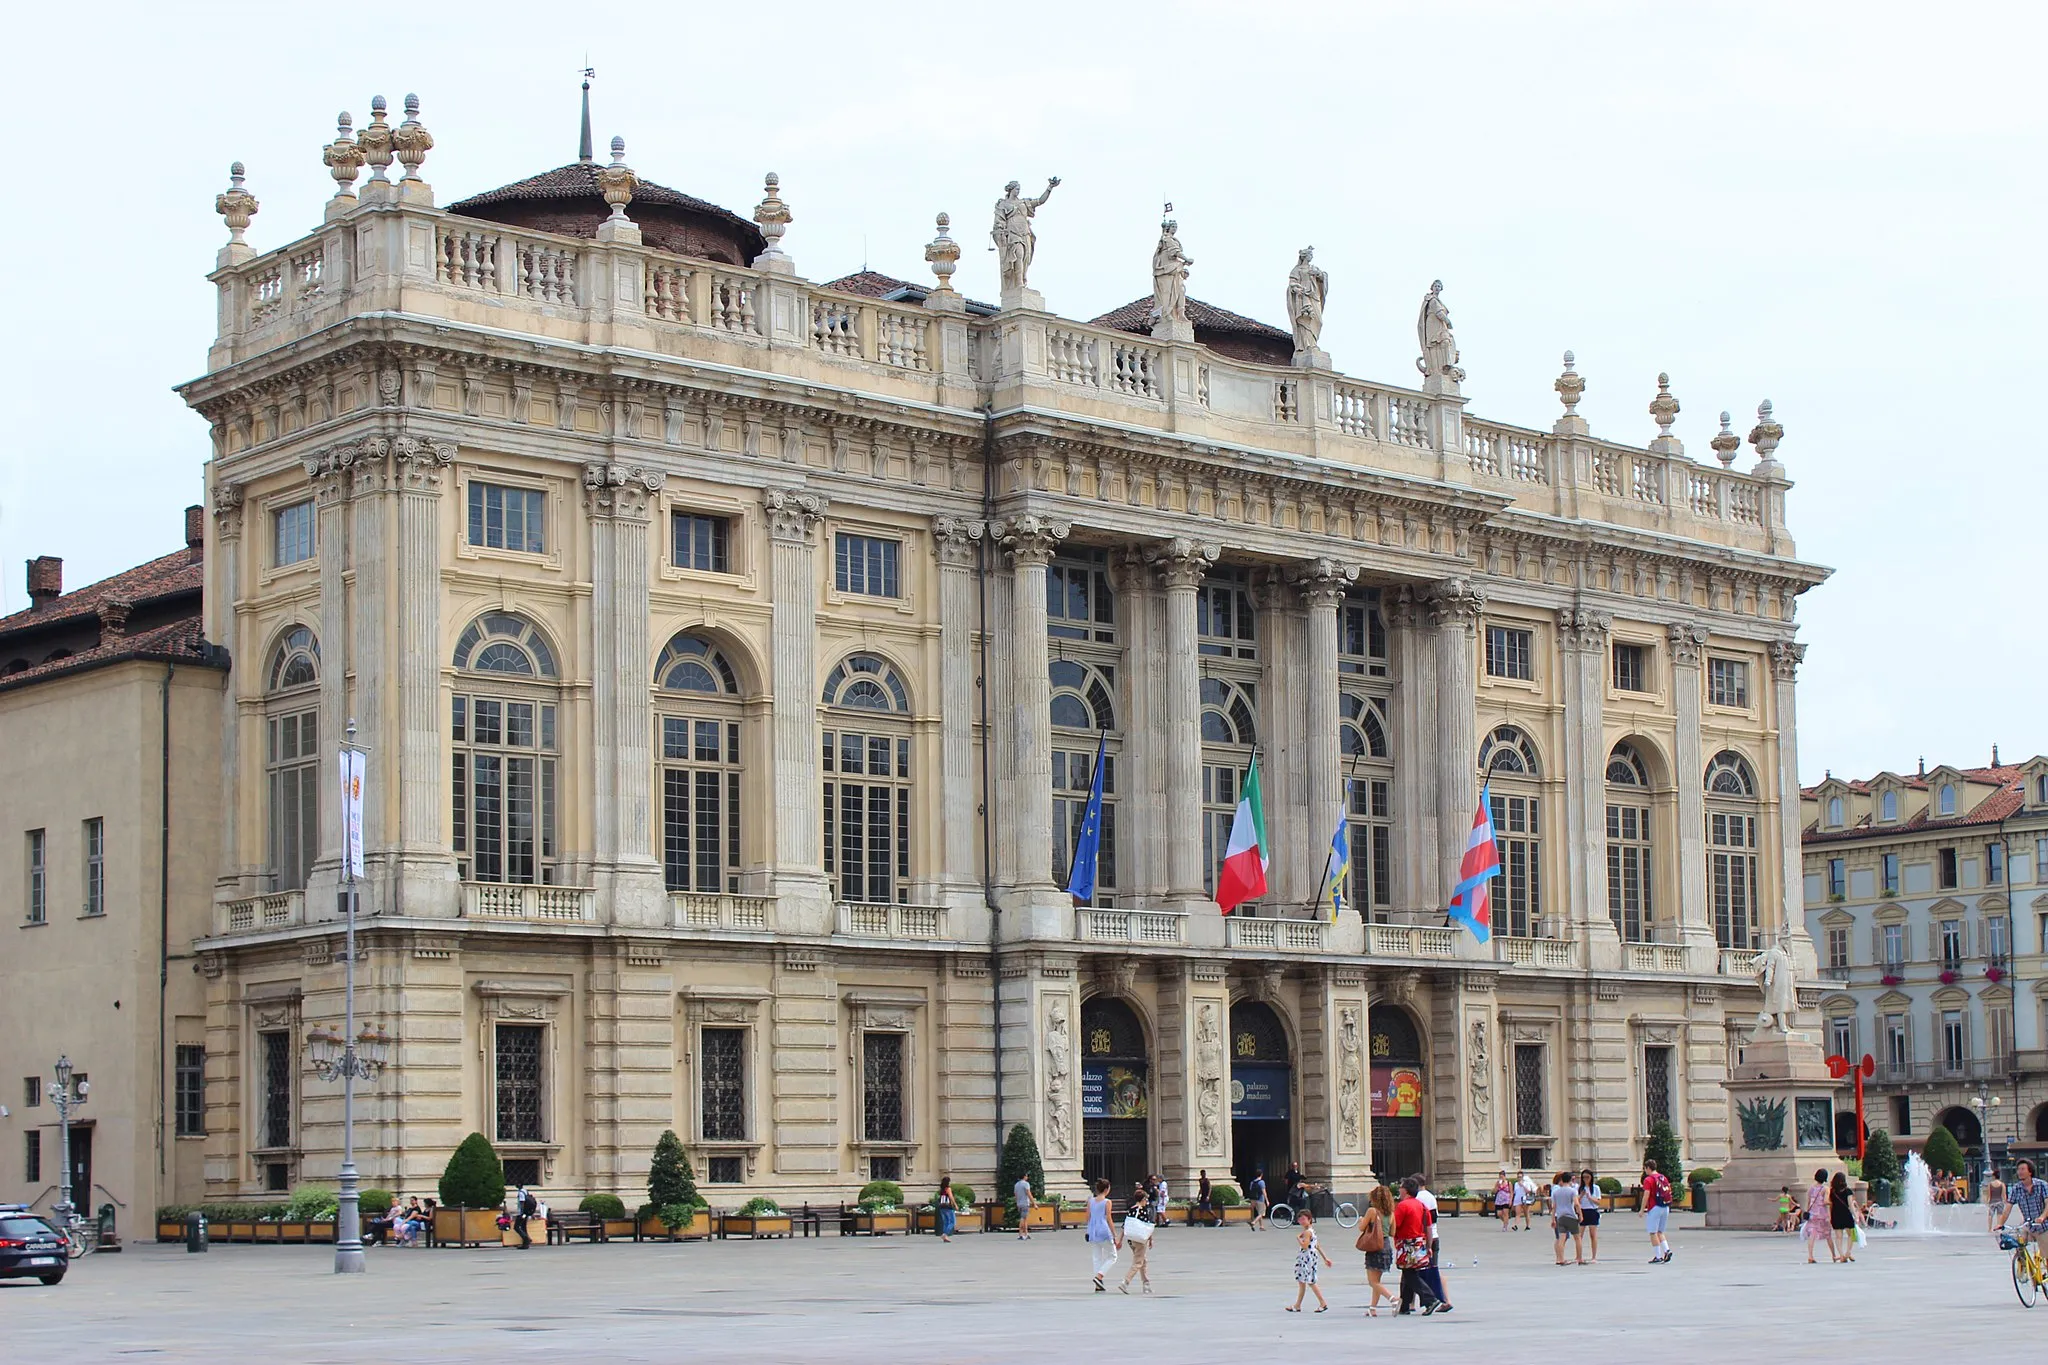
{"x": 1015, "y": 242}
{"x": 1773, "y": 969}
{"x": 1439, "y": 359}
{"x": 1170, "y": 286}
{"x": 1308, "y": 289}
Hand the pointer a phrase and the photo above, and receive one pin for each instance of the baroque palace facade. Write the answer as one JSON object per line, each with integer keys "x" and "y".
{"x": 731, "y": 653}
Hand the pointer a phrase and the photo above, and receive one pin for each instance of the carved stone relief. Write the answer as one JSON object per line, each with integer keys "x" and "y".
{"x": 1479, "y": 1070}
{"x": 1350, "y": 1080}
{"x": 1059, "y": 1066}
{"x": 1209, "y": 1077}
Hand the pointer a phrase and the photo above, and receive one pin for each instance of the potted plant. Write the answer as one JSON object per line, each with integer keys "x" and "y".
{"x": 1070, "y": 1214}
{"x": 758, "y": 1217}
{"x": 1890, "y": 979}
{"x": 170, "y": 1222}
{"x": 1228, "y": 1201}
{"x": 1454, "y": 1201}
{"x": 308, "y": 1205}
{"x": 1020, "y": 1162}
{"x": 1994, "y": 974}
{"x": 1610, "y": 1191}
{"x": 967, "y": 1218}
{"x": 879, "y": 1209}
{"x": 673, "y": 1206}
{"x": 472, "y": 1194}
{"x": 610, "y": 1212}
{"x": 1948, "y": 976}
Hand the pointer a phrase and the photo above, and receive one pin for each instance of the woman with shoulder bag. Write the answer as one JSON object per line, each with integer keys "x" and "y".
{"x": 1138, "y": 1239}
{"x": 1374, "y": 1239}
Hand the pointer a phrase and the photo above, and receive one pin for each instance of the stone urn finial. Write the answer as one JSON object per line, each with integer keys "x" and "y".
{"x": 1664, "y": 411}
{"x": 411, "y": 140}
{"x": 944, "y": 255}
{"x": 617, "y": 181}
{"x": 773, "y": 216}
{"x": 1725, "y": 444}
{"x": 236, "y": 205}
{"x": 1765, "y": 436}
{"x": 343, "y": 157}
{"x": 1570, "y": 386}
{"x": 376, "y": 141}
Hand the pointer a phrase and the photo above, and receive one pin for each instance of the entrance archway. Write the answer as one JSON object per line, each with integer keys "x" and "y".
{"x": 1399, "y": 1092}
{"x": 1261, "y": 1093}
{"x": 1962, "y": 1122}
{"x": 1116, "y": 1095}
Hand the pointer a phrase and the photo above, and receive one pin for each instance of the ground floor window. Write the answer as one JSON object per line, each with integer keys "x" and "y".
{"x": 191, "y": 1090}
{"x": 882, "y": 1087}
{"x": 724, "y": 1084}
{"x": 275, "y": 1048}
{"x": 1657, "y": 1077}
{"x": 1531, "y": 1113}
{"x": 519, "y": 1082}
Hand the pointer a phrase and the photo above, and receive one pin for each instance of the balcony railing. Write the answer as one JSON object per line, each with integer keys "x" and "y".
{"x": 1836, "y": 973}
{"x": 705, "y": 910}
{"x": 1411, "y": 940}
{"x": 1963, "y": 1069}
{"x": 1281, "y": 935}
{"x": 1161, "y": 927}
{"x": 1538, "y": 952}
{"x": 882, "y": 919}
{"x": 1653, "y": 957}
{"x": 253, "y": 914}
{"x": 1738, "y": 961}
{"x": 551, "y": 904}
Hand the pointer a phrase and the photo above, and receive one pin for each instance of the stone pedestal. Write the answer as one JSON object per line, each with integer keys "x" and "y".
{"x": 1781, "y": 1078}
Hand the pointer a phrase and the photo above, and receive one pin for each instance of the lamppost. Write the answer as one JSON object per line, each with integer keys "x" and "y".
{"x": 66, "y": 1097}
{"x": 1987, "y": 1105}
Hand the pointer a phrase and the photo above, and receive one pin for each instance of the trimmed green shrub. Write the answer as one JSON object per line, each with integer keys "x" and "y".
{"x": 1225, "y": 1196}
{"x": 1853, "y": 1167}
{"x": 1880, "y": 1159}
{"x": 1662, "y": 1148}
{"x": 1942, "y": 1152}
{"x": 1020, "y": 1162}
{"x": 1457, "y": 1192}
{"x": 474, "y": 1178}
{"x": 759, "y": 1207}
{"x": 879, "y": 1194}
{"x": 963, "y": 1197}
{"x": 603, "y": 1206}
{"x": 1703, "y": 1175}
{"x": 1609, "y": 1185}
{"x": 311, "y": 1202}
{"x": 374, "y": 1201}
{"x": 670, "y": 1181}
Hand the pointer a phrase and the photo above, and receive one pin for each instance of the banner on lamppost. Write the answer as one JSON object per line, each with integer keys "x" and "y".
{"x": 352, "y": 811}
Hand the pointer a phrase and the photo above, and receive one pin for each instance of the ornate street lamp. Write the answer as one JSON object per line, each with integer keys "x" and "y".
{"x": 66, "y": 1097}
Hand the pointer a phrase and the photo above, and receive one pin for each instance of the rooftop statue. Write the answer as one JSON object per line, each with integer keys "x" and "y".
{"x": 1170, "y": 286}
{"x": 1015, "y": 242}
{"x": 1308, "y": 289}
{"x": 1439, "y": 359}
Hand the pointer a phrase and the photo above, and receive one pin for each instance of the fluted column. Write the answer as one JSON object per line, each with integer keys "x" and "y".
{"x": 1029, "y": 541}
{"x": 369, "y": 659}
{"x": 237, "y": 857}
{"x": 1182, "y": 565}
{"x": 425, "y": 861}
{"x": 1321, "y": 583}
{"x": 1454, "y": 606}
{"x": 1785, "y": 659}
{"x": 329, "y": 472}
{"x": 1688, "y": 646}
{"x": 1583, "y": 642}
{"x": 793, "y": 518}
{"x": 618, "y": 498}
{"x": 1416, "y": 874}
{"x": 958, "y": 544}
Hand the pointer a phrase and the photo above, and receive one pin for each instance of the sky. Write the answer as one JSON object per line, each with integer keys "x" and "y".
{"x": 1834, "y": 206}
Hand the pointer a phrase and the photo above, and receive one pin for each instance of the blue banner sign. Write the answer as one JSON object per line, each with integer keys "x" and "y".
{"x": 1259, "y": 1092}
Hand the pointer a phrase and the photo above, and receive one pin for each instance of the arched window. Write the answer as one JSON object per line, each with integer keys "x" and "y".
{"x": 1507, "y": 758}
{"x": 1948, "y": 798}
{"x": 1889, "y": 804}
{"x": 1834, "y": 812}
{"x": 503, "y": 787}
{"x": 1732, "y": 820}
{"x": 1368, "y": 802}
{"x": 867, "y": 780}
{"x": 291, "y": 758}
{"x": 1628, "y": 844}
{"x": 1083, "y": 721}
{"x": 699, "y": 717}
{"x": 1229, "y": 734}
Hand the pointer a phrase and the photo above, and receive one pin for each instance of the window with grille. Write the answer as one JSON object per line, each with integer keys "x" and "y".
{"x": 1510, "y": 653}
{"x": 504, "y": 789}
{"x": 723, "y": 1170}
{"x": 1628, "y": 870}
{"x": 1080, "y": 602}
{"x": 38, "y": 877}
{"x": 502, "y": 518}
{"x": 725, "y": 1096}
{"x": 32, "y": 1157}
{"x": 882, "y": 1086}
{"x": 700, "y": 542}
{"x": 885, "y": 1168}
{"x": 1728, "y": 682}
{"x": 31, "y": 1091}
{"x": 1531, "y": 1113}
{"x": 1631, "y": 668}
{"x": 1226, "y": 624}
{"x": 291, "y": 534}
{"x": 1362, "y": 636}
{"x": 518, "y": 1049}
{"x": 1732, "y": 878}
{"x": 1519, "y": 888}
{"x": 522, "y": 1170}
{"x": 700, "y": 803}
{"x": 1657, "y": 1084}
{"x": 292, "y": 771}
{"x": 867, "y": 815}
{"x": 866, "y": 566}
{"x": 191, "y": 1090}
{"x": 276, "y": 1051}
{"x": 95, "y": 846}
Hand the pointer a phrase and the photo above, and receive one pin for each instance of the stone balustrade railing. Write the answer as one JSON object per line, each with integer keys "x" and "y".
{"x": 889, "y": 920}
{"x": 1282, "y": 935}
{"x": 1538, "y": 952}
{"x": 703, "y": 910}
{"x": 1738, "y": 962}
{"x": 254, "y": 914}
{"x": 551, "y": 904}
{"x": 1160, "y": 927}
{"x": 457, "y": 271}
{"x": 1653, "y": 957}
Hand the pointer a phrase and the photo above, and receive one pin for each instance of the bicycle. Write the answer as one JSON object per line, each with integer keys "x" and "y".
{"x": 82, "y": 1235}
{"x": 1320, "y": 1204}
{"x": 2029, "y": 1269}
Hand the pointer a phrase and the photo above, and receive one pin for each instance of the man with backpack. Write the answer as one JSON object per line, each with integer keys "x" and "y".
{"x": 1656, "y": 1211}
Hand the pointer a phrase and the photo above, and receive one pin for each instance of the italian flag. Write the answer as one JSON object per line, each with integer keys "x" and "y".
{"x": 1243, "y": 875}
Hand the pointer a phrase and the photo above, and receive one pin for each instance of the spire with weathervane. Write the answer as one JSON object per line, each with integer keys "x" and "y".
{"x": 584, "y": 153}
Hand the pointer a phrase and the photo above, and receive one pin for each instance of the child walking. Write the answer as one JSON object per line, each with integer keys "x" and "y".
{"x": 1307, "y": 1261}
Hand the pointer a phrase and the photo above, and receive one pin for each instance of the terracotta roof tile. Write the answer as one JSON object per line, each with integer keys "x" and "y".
{"x": 873, "y": 284}
{"x": 2001, "y": 804}
{"x": 578, "y": 180}
{"x": 178, "y": 572}
{"x": 1136, "y": 316}
{"x": 180, "y": 641}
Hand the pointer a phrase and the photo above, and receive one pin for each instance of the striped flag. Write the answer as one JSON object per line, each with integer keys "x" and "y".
{"x": 1243, "y": 875}
{"x": 1471, "y": 906}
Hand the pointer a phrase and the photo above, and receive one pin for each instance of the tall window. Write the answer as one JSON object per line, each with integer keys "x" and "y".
{"x": 867, "y": 780}
{"x": 94, "y": 843}
{"x": 504, "y": 774}
{"x": 1834, "y": 812}
{"x": 292, "y": 758}
{"x": 1898, "y": 1042}
{"x": 1998, "y": 1032}
{"x": 1083, "y": 709}
{"x": 1631, "y": 668}
{"x": 1657, "y": 1077}
{"x": 1888, "y": 804}
{"x": 1838, "y": 878}
{"x": 276, "y": 1078}
{"x": 1531, "y": 1113}
{"x": 1955, "y": 1040}
{"x": 518, "y": 1075}
{"x": 1728, "y": 682}
{"x": 32, "y": 1157}
{"x": 502, "y": 518}
{"x": 700, "y": 766}
{"x": 1226, "y": 623}
{"x": 1842, "y": 1035}
{"x": 1510, "y": 653}
{"x": 291, "y": 534}
{"x": 1994, "y": 864}
{"x": 1951, "y": 944}
{"x": 1080, "y": 601}
{"x": 1368, "y": 802}
{"x": 724, "y": 1084}
{"x": 1997, "y": 939}
{"x": 1891, "y": 874}
{"x": 191, "y": 1090}
{"x": 1362, "y": 635}
{"x": 1948, "y": 798}
{"x": 1894, "y": 936}
{"x": 1229, "y": 732}
{"x": 881, "y": 1071}
{"x": 866, "y": 566}
{"x": 701, "y": 542}
{"x": 1732, "y": 850}
{"x": 1508, "y": 761}
{"x": 38, "y": 877}
{"x": 1628, "y": 844}
{"x": 1945, "y": 862}
{"x": 1838, "y": 948}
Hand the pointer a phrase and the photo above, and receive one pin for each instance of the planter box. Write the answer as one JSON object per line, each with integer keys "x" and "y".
{"x": 1041, "y": 1216}
{"x": 619, "y": 1227}
{"x": 1076, "y": 1216}
{"x": 170, "y": 1232}
{"x": 700, "y": 1228}
{"x": 321, "y": 1230}
{"x": 292, "y": 1232}
{"x": 965, "y": 1220}
{"x": 1237, "y": 1213}
{"x": 882, "y": 1224}
{"x": 755, "y": 1225}
{"x": 269, "y": 1232}
{"x": 465, "y": 1227}
{"x": 536, "y": 1228}
{"x": 238, "y": 1232}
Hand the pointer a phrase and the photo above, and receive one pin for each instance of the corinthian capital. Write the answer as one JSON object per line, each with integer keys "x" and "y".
{"x": 1688, "y": 641}
{"x": 1583, "y": 630}
{"x": 1031, "y": 539}
{"x": 793, "y": 514}
{"x": 616, "y": 490}
{"x": 1321, "y": 582}
{"x": 956, "y": 539}
{"x": 1455, "y": 602}
{"x": 1184, "y": 563}
{"x": 421, "y": 462}
{"x": 1786, "y": 656}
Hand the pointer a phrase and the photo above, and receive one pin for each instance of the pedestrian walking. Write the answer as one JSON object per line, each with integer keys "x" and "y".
{"x": 1205, "y": 1200}
{"x": 1138, "y": 1239}
{"x": 1656, "y": 1211}
{"x": 1816, "y": 1228}
{"x": 1994, "y": 1201}
{"x": 1564, "y": 1217}
{"x": 524, "y": 1206}
{"x": 1504, "y": 1201}
{"x": 1309, "y": 1258}
{"x": 1411, "y": 1249}
{"x": 1102, "y": 1239}
{"x": 1432, "y": 1275}
{"x": 1159, "y": 1203}
{"x": 1841, "y": 1219}
{"x": 1255, "y": 1190}
{"x": 1021, "y": 1192}
{"x": 1376, "y": 1240}
{"x": 947, "y": 1209}
{"x": 1524, "y": 1195}
{"x": 1589, "y": 1214}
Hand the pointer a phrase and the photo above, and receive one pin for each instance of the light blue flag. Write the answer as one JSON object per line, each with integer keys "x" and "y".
{"x": 1339, "y": 872}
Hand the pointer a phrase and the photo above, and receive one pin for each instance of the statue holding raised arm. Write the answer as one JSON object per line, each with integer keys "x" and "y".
{"x": 1015, "y": 242}
{"x": 1308, "y": 289}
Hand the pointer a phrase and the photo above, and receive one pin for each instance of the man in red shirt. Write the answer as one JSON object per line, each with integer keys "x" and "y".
{"x": 1656, "y": 1211}
{"x": 1411, "y": 1242}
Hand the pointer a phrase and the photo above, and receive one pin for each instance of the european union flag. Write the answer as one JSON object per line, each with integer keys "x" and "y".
{"x": 1088, "y": 843}
{"x": 1337, "y": 873}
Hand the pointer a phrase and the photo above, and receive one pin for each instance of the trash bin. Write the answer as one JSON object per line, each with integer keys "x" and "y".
{"x": 195, "y": 1231}
{"x": 1699, "y": 1196}
{"x": 1881, "y": 1192}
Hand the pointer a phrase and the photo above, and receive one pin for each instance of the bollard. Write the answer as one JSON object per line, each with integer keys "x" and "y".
{"x": 195, "y": 1231}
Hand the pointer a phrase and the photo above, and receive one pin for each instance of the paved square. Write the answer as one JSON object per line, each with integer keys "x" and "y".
{"x": 1725, "y": 1297}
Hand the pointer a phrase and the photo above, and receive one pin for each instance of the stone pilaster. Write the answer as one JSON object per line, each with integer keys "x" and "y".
{"x": 1582, "y": 638}
{"x": 426, "y": 882}
{"x": 1321, "y": 584}
{"x": 793, "y": 517}
{"x": 1182, "y": 565}
{"x": 1141, "y": 779}
{"x": 1205, "y": 990}
{"x": 1454, "y": 606}
{"x": 329, "y": 472}
{"x": 240, "y": 857}
{"x": 628, "y": 878}
{"x": 958, "y": 544}
{"x": 1418, "y": 879}
{"x": 1039, "y": 908}
{"x": 1695, "y": 929}
{"x": 1785, "y": 658}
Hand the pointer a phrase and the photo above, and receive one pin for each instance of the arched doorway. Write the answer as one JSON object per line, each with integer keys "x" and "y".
{"x": 1261, "y": 1093}
{"x": 2041, "y": 1124}
{"x": 1116, "y": 1095}
{"x": 1969, "y": 1133}
{"x": 1398, "y": 1093}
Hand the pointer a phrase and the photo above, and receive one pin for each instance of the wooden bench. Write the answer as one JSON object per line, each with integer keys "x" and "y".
{"x": 563, "y": 1226}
